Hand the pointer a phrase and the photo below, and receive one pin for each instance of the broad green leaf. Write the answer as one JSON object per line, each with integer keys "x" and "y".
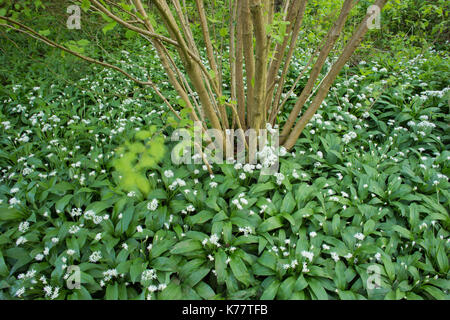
{"x": 187, "y": 246}
{"x": 271, "y": 224}
{"x": 240, "y": 270}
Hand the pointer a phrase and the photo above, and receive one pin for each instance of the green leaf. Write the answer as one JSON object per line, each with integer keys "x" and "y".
{"x": 435, "y": 292}
{"x": 205, "y": 291}
{"x": 109, "y": 27}
{"x": 268, "y": 260}
{"x": 270, "y": 224}
{"x": 221, "y": 266}
{"x": 10, "y": 214}
{"x": 271, "y": 290}
{"x": 187, "y": 246}
{"x": 44, "y": 33}
{"x": 317, "y": 289}
{"x": 85, "y": 5}
{"x": 405, "y": 233}
{"x": 442, "y": 259}
{"x": 288, "y": 204}
{"x": 197, "y": 276}
{"x": 112, "y": 292}
{"x": 340, "y": 279}
{"x": 3, "y": 267}
{"x": 62, "y": 203}
{"x": 389, "y": 267}
{"x": 240, "y": 270}
{"x": 286, "y": 288}
{"x": 301, "y": 283}
{"x": 171, "y": 292}
{"x": 136, "y": 270}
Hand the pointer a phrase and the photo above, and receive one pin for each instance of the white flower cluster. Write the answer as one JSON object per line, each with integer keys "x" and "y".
{"x": 267, "y": 156}
{"x": 246, "y": 230}
{"x": 178, "y": 182}
{"x": 153, "y": 288}
{"x": 152, "y": 205}
{"x": 239, "y": 201}
{"x": 189, "y": 208}
{"x": 293, "y": 264}
{"x": 21, "y": 240}
{"x": 90, "y": 215}
{"x": 348, "y": 137}
{"x": 359, "y": 236}
{"x": 213, "y": 239}
{"x": 280, "y": 177}
{"x": 76, "y": 212}
{"x": 308, "y": 255}
{"x": 23, "y": 226}
{"x": 168, "y": 173}
{"x": 148, "y": 274}
{"x": 95, "y": 256}
{"x": 109, "y": 274}
{"x": 50, "y": 292}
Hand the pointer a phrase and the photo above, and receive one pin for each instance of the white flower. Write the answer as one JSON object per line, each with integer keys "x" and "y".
{"x": 214, "y": 239}
{"x": 348, "y": 137}
{"x": 213, "y": 184}
{"x": 334, "y": 256}
{"x": 168, "y": 173}
{"x": 153, "y": 205}
{"x": 246, "y": 230}
{"x": 74, "y": 229}
{"x": 152, "y": 288}
{"x": 95, "y": 256}
{"x": 162, "y": 286}
{"x": 14, "y": 190}
{"x": 139, "y": 229}
{"x": 21, "y": 240}
{"x": 97, "y": 219}
{"x": 48, "y": 290}
{"x": 75, "y": 212}
{"x": 359, "y": 236}
{"x": 55, "y": 293}
{"x": 308, "y": 255}
{"x": 39, "y": 257}
{"x": 20, "y": 292}
{"x": 312, "y": 234}
{"x": 305, "y": 267}
{"x": 23, "y": 226}
{"x": 280, "y": 177}
{"x": 148, "y": 274}
{"x": 14, "y": 201}
{"x": 109, "y": 274}
{"x": 88, "y": 214}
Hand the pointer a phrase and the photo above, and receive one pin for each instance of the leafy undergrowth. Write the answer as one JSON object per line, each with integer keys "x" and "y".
{"x": 359, "y": 209}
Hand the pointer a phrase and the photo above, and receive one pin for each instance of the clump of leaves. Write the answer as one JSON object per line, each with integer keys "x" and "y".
{"x": 136, "y": 157}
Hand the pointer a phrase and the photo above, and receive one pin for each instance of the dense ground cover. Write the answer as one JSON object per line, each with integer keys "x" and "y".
{"x": 364, "y": 192}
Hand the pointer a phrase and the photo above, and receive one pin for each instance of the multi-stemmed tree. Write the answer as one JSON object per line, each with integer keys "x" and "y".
{"x": 262, "y": 37}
